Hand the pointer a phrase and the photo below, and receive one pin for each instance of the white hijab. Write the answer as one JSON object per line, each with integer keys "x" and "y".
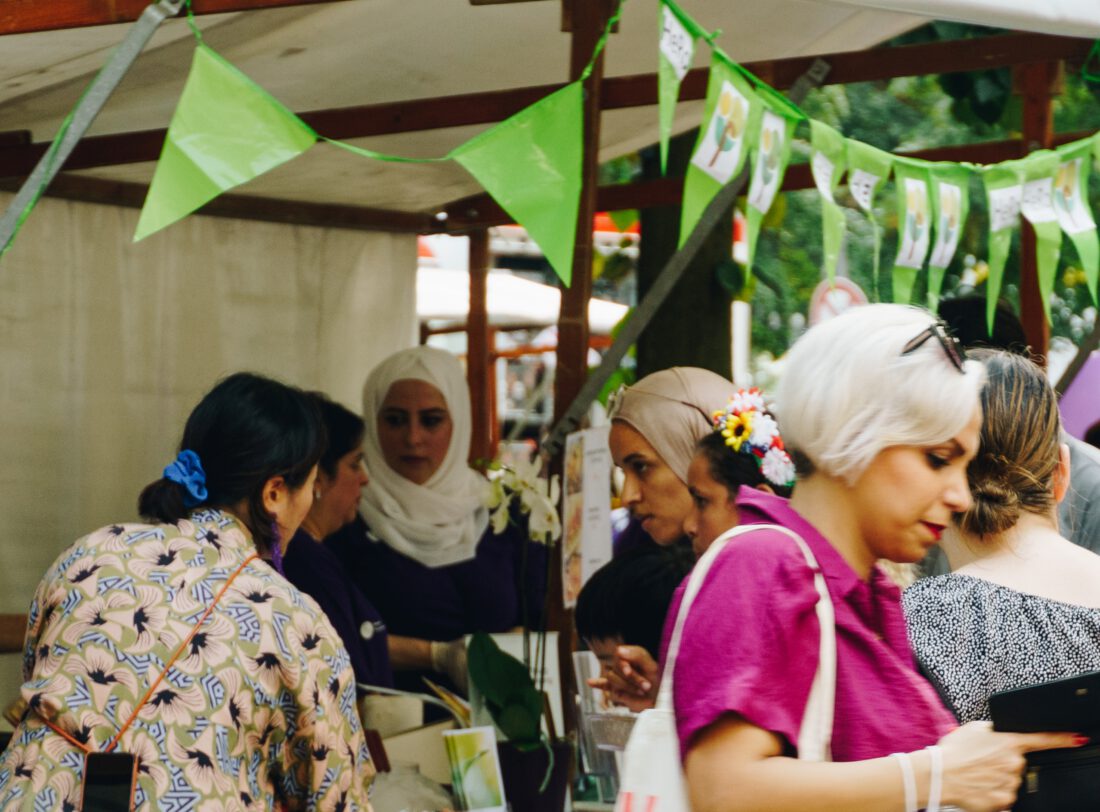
{"x": 440, "y": 522}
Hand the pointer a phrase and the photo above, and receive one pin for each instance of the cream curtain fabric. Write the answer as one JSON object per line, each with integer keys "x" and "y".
{"x": 105, "y": 346}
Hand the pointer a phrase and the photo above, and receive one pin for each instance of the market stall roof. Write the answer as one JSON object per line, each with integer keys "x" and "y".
{"x": 1075, "y": 18}
{"x": 344, "y": 54}
{"x": 335, "y": 56}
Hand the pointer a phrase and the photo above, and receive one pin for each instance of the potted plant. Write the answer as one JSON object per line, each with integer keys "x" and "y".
{"x": 534, "y": 767}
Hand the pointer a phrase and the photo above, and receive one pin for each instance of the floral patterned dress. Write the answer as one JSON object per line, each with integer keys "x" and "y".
{"x": 258, "y": 712}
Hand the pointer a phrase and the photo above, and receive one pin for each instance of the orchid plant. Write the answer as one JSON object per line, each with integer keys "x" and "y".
{"x": 519, "y": 486}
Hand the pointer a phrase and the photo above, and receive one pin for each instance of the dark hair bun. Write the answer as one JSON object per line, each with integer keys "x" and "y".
{"x": 162, "y": 501}
{"x": 995, "y": 507}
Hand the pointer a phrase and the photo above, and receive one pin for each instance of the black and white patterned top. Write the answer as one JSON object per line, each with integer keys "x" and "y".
{"x": 975, "y": 638}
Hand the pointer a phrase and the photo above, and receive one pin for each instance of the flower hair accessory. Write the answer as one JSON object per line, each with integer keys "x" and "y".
{"x": 187, "y": 471}
{"x": 748, "y": 428}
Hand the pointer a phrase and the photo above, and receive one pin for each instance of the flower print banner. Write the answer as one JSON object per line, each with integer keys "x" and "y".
{"x": 531, "y": 165}
{"x": 729, "y": 120}
{"x": 773, "y": 153}
{"x": 868, "y": 171}
{"x": 1037, "y": 205}
{"x": 226, "y": 130}
{"x": 827, "y": 164}
{"x": 1004, "y": 192}
{"x": 1071, "y": 203}
{"x": 950, "y": 205}
{"x": 914, "y": 226}
{"x": 676, "y": 49}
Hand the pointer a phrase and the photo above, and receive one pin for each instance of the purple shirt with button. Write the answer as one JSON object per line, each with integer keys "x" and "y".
{"x": 750, "y": 645}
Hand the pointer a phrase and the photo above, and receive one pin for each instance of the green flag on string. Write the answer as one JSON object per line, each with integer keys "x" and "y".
{"x": 226, "y": 131}
{"x": 531, "y": 165}
{"x": 868, "y": 170}
{"x": 1004, "y": 192}
{"x": 1071, "y": 186}
{"x": 827, "y": 164}
{"x": 676, "y": 49}
{"x": 771, "y": 156}
{"x": 729, "y": 121}
{"x": 914, "y": 225}
{"x": 1037, "y": 205}
{"x": 950, "y": 207}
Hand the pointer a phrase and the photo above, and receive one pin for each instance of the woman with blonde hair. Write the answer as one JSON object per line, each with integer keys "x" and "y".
{"x": 880, "y": 415}
{"x": 1022, "y": 603}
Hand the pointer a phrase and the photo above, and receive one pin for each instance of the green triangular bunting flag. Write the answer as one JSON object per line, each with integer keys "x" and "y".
{"x": 1037, "y": 205}
{"x": 729, "y": 123}
{"x": 226, "y": 131}
{"x": 771, "y": 156}
{"x": 1071, "y": 203}
{"x": 827, "y": 164}
{"x": 531, "y": 165}
{"x": 950, "y": 208}
{"x": 1004, "y": 191}
{"x": 868, "y": 170}
{"x": 914, "y": 225}
{"x": 676, "y": 49}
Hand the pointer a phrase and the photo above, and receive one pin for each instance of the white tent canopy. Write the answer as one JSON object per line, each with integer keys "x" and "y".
{"x": 443, "y": 299}
{"x": 1072, "y": 18}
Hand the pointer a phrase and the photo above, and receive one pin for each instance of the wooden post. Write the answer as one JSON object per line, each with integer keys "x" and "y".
{"x": 1037, "y": 83}
{"x": 477, "y": 348}
{"x": 586, "y": 20}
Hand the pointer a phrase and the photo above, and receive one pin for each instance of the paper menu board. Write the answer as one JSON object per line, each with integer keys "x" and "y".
{"x": 586, "y": 509}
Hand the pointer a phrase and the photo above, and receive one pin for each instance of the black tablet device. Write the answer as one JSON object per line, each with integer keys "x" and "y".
{"x": 1056, "y": 780}
{"x": 1070, "y": 704}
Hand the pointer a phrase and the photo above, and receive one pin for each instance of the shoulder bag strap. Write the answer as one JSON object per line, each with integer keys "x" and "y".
{"x": 815, "y": 735}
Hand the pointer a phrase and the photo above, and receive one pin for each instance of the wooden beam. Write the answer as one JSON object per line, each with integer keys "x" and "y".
{"x": 17, "y": 160}
{"x": 27, "y": 16}
{"x": 477, "y": 348}
{"x": 1037, "y": 84}
{"x": 13, "y": 629}
{"x": 244, "y": 207}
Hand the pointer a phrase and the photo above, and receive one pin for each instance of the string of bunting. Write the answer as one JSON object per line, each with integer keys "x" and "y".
{"x": 745, "y": 117}
{"x": 227, "y": 130}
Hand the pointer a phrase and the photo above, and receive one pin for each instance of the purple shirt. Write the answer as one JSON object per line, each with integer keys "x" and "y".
{"x": 316, "y": 570}
{"x": 750, "y": 644}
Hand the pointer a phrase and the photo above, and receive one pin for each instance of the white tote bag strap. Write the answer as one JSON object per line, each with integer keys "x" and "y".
{"x": 694, "y": 584}
{"x": 815, "y": 735}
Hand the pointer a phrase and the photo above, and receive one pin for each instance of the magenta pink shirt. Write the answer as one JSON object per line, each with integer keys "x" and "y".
{"x": 750, "y": 645}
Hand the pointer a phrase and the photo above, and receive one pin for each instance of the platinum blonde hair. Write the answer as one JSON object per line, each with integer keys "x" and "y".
{"x": 847, "y": 392}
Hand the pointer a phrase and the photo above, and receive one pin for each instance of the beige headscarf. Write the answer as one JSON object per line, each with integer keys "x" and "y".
{"x": 673, "y": 409}
{"x": 440, "y": 522}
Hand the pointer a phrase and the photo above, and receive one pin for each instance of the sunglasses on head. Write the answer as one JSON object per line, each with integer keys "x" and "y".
{"x": 951, "y": 346}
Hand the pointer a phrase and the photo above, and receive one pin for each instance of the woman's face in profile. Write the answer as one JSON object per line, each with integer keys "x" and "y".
{"x": 908, "y": 494}
{"x": 414, "y": 429}
{"x": 338, "y": 499}
{"x": 651, "y": 491}
{"x": 713, "y": 511}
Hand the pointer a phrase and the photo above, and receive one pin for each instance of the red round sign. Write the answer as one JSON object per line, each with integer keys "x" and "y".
{"x": 833, "y": 298}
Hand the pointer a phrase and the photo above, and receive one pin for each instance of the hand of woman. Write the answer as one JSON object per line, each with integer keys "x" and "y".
{"x": 449, "y": 658}
{"x": 633, "y": 679}
{"x": 982, "y": 769}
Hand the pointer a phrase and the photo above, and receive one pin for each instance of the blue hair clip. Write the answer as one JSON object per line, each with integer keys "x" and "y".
{"x": 187, "y": 470}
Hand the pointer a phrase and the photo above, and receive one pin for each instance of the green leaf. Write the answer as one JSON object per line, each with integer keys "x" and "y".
{"x": 510, "y": 694}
